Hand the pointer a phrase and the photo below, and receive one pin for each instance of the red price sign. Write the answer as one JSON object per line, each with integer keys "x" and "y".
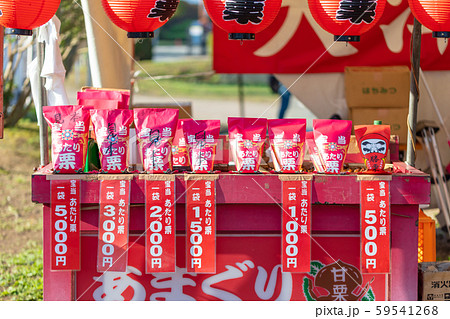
{"x": 375, "y": 227}
{"x": 296, "y": 223}
{"x": 160, "y": 226}
{"x": 113, "y": 225}
{"x": 201, "y": 226}
{"x": 65, "y": 220}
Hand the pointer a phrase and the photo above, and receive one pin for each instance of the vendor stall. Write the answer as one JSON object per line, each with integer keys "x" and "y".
{"x": 115, "y": 230}
{"x": 248, "y": 247}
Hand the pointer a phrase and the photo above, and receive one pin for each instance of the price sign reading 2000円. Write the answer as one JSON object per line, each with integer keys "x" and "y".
{"x": 160, "y": 226}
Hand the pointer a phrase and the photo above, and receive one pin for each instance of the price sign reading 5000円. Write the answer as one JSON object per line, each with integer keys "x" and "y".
{"x": 65, "y": 221}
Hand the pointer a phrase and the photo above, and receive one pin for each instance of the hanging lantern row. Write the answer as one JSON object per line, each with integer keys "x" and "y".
{"x": 22, "y": 16}
{"x": 347, "y": 19}
{"x": 433, "y": 14}
{"x": 241, "y": 19}
{"x": 140, "y": 18}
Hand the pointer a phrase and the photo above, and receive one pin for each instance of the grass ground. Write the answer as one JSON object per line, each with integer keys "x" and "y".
{"x": 21, "y": 274}
{"x": 20, "y": 219}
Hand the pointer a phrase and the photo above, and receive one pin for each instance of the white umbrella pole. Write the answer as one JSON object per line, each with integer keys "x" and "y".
{"x": 43, "y": 127}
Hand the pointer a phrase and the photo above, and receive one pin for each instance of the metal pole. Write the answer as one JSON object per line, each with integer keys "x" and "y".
{"x": 241, "y": 95}
{"x": 1, "y": 82}
{"x": 442, "y": 178}
{"x": 438, "y": 182}
{"x": 132, "y": 74}
{"x": 413, "y": 92}
{"x": 42, "y": 98}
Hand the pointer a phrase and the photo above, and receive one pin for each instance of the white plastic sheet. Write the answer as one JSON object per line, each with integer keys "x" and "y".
{"x": 52, "y": 70}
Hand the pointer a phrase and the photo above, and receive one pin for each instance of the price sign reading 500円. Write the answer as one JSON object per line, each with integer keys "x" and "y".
{"x": 113, "y": 225}
{"x": 65, "y": 221}
{"x": 375, "y": 226}
{"x": 201, "y": 226}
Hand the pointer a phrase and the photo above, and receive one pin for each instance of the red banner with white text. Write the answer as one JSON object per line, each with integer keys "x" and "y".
{"x": 296, "y": 223}
{"x": 248, "y": 268}
{"x": 160, "y": 226}
{"x": 295, "y": 43}
{"x": 113, "y": 225}
{"x": 201, "y": 226}
{"x": 375, "y": 227}
{"x": 65, "y": 221}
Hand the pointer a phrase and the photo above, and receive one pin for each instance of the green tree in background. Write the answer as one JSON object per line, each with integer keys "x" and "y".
{"x": 177, "y": 27}
{"x": 72, "y": 34}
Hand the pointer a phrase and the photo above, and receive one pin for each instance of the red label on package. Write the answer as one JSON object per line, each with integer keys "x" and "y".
{"x": 296, "y": 224}
{"x": 179, "y": 147}
{"x": 375, "y": 227}
{"x": 65, "y": 221}
{"x": 201, "y": 226}
{"x": 113, "y": 225}
{"x": 160, "y": 226}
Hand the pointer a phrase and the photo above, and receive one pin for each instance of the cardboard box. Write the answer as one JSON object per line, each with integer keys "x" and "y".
{"x": 377, "y": 86}
{"x": 434, "y": 281}
{"x": 396, "y": 117}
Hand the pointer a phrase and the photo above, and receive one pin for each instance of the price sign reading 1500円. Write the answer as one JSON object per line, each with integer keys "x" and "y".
{"x": 65, "y": 221}
{"x": 200, "y": 226}
{"x": 113, "y": 225}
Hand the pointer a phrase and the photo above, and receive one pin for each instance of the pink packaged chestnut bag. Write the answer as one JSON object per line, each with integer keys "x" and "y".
{"x": 247, "y": 137}
{"x": 179, "y": 148}
{"x": 112, "y": 131}
{"x": 332, "y": 138}
{"x": 155, "y": 130}
{"x": 104, "y": 99}
{"x": 124, "y": 101}
{"x": 70, "y": 127}
{"x": 314, "y": 153}
{"x": 201, "y": 137}
{"x": 287, "y": 144}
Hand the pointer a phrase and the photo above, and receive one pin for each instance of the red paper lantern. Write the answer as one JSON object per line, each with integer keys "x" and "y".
{"x": 433, "y": 14}
{"x": 140, "y": 17}
{"x": 242, "y": 18}
{"x": 347, "y": 19}
{"x": 22, "y": 16}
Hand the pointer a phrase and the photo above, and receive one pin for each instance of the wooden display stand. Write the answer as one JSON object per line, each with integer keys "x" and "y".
{"x": 248, "y": 243}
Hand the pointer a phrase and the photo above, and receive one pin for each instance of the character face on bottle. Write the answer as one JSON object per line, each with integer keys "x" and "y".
{"x": 373, "y": 145}
{"x": 374, "y": 149}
